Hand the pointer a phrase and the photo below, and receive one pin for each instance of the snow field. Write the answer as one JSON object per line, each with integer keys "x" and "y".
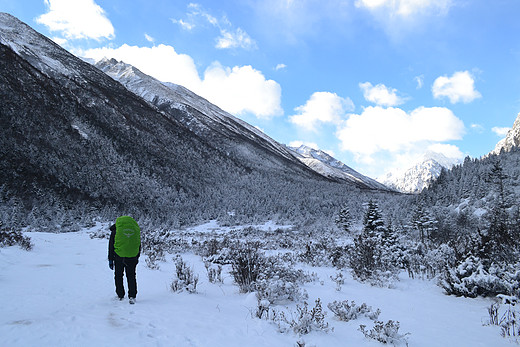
{"x": 62, "y": 294}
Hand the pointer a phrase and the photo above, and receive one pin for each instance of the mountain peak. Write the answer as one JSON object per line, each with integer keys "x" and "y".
{"x": 420, "y": 175}
{"x": 329, "y": 166}
{"x": 511, "y": 140}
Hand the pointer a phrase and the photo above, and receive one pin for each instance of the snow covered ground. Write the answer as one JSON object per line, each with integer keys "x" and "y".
{"x": 62, "y": 294}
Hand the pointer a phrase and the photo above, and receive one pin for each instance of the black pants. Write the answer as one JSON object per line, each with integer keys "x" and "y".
{"x": 128, "y": 266}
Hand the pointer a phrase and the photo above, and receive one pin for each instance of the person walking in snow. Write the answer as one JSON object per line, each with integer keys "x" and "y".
{"x": 124, "y": 249}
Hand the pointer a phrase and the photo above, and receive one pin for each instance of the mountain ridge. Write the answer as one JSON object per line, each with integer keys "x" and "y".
{"x": 511, "y": 140}
{"x": 414, "y": 179}
{"x": 329, "y": 166}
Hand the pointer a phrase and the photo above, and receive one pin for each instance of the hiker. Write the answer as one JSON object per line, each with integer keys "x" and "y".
{"x": 124, "y": 249}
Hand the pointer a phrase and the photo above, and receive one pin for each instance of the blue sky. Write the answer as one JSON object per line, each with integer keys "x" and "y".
{"x": 374, "y": 82}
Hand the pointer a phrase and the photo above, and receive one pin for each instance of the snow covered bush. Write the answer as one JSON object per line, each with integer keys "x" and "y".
{"x": 472, "y": 278}
{"x": 154, "y": 246}
{"x": 214, "y": 273}
{"x": 276, "y": 290}
{"x": 339, "y": 280}
{"x": 12, "y": 238}
{"x": 346, "y": 311}
{"x": 506, "y": 315}
{"x": 339, "y": 256}
{"x": 247, "y": 263}
{"x": 426, "y": 261}
{"x": 386, "y": 333}
{"x": 186, "y": 278}
{"x": 312, "y": 254}
{"x": 303, "y": 321}
{"x": 279, "y": 282}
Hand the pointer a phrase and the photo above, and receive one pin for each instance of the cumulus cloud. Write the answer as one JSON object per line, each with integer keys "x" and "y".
{"x": 500, "y": 131}
{"x": 393, "y": 130}
{"x": 448, "y": 150}
{"x": 405, "y": 8}
{"x": 238, "y": 90}
{"x": 280, "y": 67}
{"x": 389, "y": 139}
{"x": 79, "y": 19}
{"x": 241, "y": 90}
{"x": 322, "y": 107}
{"x": 460, "y": 87}
{"x": 380, "y": 94}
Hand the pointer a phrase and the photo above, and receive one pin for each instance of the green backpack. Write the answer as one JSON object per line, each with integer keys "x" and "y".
{"x": 128, "y": 237}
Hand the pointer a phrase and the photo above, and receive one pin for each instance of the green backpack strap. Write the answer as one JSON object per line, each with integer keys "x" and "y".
{"x": 128, "y": 237}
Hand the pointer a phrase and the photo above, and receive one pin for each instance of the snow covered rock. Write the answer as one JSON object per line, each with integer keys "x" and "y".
{"x": 419, "y": 176}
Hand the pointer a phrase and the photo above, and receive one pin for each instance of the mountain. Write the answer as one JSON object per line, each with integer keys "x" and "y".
{"x": 419, "y": 176}
{"x": 511, "y": 140}
{"x": 199, "y": 115}
{"x": 209, "y": 121}
{"x": 328, "y": 166}
{"x": 75, "y": 145}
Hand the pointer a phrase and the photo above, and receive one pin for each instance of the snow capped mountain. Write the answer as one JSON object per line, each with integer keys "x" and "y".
{"x": 419, "y": 176}
{"x": 41, "y": 52}
{"x": 203, "y": 117}
{"x": 511, "y": 140}
{"x": 206, "y": 119}
{"x": 330, "y": 167}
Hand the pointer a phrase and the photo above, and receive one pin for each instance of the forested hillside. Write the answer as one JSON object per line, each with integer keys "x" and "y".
{"x": 77, "y": 145}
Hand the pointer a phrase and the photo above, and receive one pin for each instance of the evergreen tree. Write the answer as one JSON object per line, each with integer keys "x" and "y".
{"x": 344, "y": 219}
{"x": 424, "y": 223}
{"x": 498, "y": 243}
{"x": 373, "y": 258}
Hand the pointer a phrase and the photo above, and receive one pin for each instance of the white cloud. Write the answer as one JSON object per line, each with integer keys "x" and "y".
{"x": 322, "y": 107}
{"x": 229, "y": 38}
{"x": 238, "y": 90}
{"x": 390, "y": 139}
{"x": 460, "y": 87}
{"x": 419, "y": 80}
{"x": 392, "y": 130}
{"x": 280, "y": 67}
{"x": 241, "y": 90}
{"x": 405, "y": 8}
{"x": 236, "y": 39}
{"x": 449, "y": 151}
{"x": 79, "y": 19}
{"x": 500, "y": 131}
{"x": 380, "y": 94}
{"x": 185, "y": 25}
{"x": 149, "y": 38}
{"x": 477, "y": 127}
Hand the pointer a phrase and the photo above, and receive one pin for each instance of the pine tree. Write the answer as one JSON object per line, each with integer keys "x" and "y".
{"x": 499, "y": 243}
{"x": 424, "y": 223}
{"x": 344, "y": 219}
{"x": 373, "y": 254}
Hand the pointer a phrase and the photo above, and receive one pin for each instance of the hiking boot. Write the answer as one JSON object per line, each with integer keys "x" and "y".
{"x": 131, "y": 300}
